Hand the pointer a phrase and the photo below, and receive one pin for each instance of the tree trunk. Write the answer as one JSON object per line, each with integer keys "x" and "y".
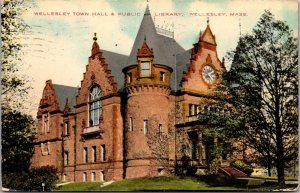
{"x": 279, "y": 145}
{"x": 269, "y": 168}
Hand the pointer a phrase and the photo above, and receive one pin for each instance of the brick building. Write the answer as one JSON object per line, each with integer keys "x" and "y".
{"x": 132, "y": 116}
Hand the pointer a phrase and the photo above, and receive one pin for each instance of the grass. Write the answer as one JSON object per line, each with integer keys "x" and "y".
{"x": 148, "y": 183}
{"x": 164, "y": 183}
{"x": 80, "y": 186}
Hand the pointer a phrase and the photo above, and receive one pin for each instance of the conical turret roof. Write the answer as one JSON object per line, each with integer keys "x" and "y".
{"x": 163, "y": 47}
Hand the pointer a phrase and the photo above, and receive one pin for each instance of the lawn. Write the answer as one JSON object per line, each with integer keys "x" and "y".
{"x": 80, "y": 186}
{"x": 148, "y": 183}
{"x": 163, "y": 183}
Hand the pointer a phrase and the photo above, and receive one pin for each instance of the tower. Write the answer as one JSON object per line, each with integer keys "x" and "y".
{"x": 147, "y": 86}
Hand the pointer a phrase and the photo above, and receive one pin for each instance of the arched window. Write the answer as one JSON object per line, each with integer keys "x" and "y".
{"x": 95, "y": 106}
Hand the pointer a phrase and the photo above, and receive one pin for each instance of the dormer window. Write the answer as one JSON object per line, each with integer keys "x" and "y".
{"x": 95, "y": 106}
{"x": 145, "y": 68}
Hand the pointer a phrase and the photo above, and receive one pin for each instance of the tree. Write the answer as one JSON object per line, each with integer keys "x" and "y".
{"x": 262, "y": 83}
{"x": 17, "y": 127}
{"x": 32, "y": 180}
{"x": 258, "y": 96}
{"x": 159, "y": 146}
{"x": 17, "y": 141}
{"x": 14, "y": 84}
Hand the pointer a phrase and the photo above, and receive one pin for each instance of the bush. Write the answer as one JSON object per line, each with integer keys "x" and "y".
{"x": 242, "y": 166}
{"x": 32, "y": 180}
{"x": 214, "y": 166}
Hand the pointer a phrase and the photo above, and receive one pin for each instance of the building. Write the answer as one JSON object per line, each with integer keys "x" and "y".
{"x": 132, "y": 116}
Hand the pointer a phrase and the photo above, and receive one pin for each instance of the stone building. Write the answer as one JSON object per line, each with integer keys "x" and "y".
{"x": 132, "y": 116}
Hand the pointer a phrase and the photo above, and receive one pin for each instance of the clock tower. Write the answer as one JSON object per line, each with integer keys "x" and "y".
{"x": 205, "y": 67}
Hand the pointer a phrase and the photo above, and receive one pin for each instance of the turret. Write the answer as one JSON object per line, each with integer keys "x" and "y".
{"x": 147, "y": 87}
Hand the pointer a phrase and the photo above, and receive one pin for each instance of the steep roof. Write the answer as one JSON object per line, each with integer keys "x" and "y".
{"x": 182, "y": 64}
{"x": 208, "y": 36}
{"x": 63, "y": 92}
{"x": 163, "y": 47}
{"x": 116, "y": 63}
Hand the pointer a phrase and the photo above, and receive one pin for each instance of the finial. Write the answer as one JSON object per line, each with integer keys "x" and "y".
{"x": 147, "y": 11}
{"x": 95, "y": 36}
{"x": 207, "y": 21}
{"x": 145, "y": 38}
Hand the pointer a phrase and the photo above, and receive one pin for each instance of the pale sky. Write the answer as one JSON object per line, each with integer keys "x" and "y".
{"x": 58, "y": 47}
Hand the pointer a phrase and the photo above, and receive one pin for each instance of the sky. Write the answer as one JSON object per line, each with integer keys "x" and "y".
{"x": 57, "y": 47}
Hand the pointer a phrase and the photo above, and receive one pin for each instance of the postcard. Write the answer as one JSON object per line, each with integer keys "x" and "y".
{"x": 150, "y": 95}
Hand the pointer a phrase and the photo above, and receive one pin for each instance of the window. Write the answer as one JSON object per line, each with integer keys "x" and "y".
{"x": 93, "y": 177}
{"x": 145, "y": 68}
{"x": 191, "y": 109}
{"x": 85, "y": 155}
{"x": 103, "y": 153}
{"x": 196, "y": 107}
{"x": 94, "y": 154}
{"x": 102, "y": 176}
{"x": 193, "y": 150}
{"x": 65, "y": 177}
{"x": 46, "y": 122}
{"x": 162, "y": 76}
{"x": 66, "y": 158}
{"x": 129, "y": 77}
{"x": 130, "y": 124}
{"x": 145, "y": 126}
{"x": 95, "y": 106}
{"x": 84, "y": 177}
{"x": 66, "y": 128}
{"x": 160, "y": 130}
{"x": 45, "y": 148}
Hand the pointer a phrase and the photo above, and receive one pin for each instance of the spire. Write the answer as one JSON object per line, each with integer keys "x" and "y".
{"x": 95, "y": 48}
{"x": 67, "y": 109}
{"x": 162, "y": 46}
{"x": 147, "y": 11}
{"x": 207, "y": 35}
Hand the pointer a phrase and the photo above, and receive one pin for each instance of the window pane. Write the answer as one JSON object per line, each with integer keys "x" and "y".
{"x": 145, "y": 68}
{"x": 145, "y": 65}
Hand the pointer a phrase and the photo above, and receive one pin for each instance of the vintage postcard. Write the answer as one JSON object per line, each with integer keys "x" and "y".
{"x": 126, "y": 95}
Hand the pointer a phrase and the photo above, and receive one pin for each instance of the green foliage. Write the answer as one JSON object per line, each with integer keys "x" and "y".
{"x": 32, "y": 180}
{"x": 263, "y": 82}
{"x": 258, "y": 97}
{"x": 242, "y": 166}
{"x": 17, "y": 141}
{"x": 214, "y": 166}
{"x": 13, "y": 82}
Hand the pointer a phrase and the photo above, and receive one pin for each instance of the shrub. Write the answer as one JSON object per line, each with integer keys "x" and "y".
{"x": 32, "y": 180}
{"x": 214, "y": 166}
{"x": 242, "y": 166}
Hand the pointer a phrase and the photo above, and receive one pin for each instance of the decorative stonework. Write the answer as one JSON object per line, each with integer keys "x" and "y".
{"x": 49, "y": 100}
{"x": 145, "y": 51}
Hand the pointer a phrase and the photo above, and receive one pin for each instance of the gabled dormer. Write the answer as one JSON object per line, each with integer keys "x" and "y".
{"x": 145, "y": 61}
{"x": 146, "y": 71}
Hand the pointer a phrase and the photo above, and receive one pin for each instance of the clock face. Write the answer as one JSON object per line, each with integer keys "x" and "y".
{"x": 209, "y": 74}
